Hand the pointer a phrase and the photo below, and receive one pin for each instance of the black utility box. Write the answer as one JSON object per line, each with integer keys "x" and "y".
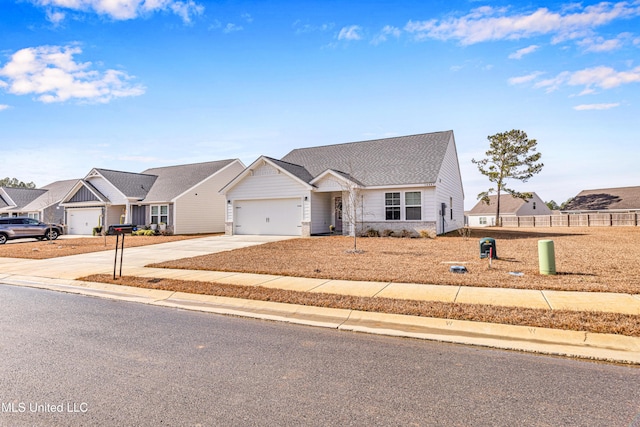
{"x": 120, "y": 229}
{"x": 488, "y": 248}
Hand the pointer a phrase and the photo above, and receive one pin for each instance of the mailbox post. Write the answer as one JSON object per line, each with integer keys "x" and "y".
{"x": 119, "y": 230}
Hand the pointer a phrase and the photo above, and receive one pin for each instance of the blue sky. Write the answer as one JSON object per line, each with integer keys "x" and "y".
{"x": 134, "y": 84}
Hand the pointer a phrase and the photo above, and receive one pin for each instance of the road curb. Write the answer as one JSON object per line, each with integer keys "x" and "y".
{"x": 606, "y": 347}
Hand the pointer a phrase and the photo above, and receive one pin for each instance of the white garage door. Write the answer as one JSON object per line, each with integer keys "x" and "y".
{"x": 278, "y": 217}
{"x": 82, "y": 221}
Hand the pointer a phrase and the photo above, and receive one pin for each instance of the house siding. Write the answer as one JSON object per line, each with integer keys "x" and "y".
{"x": 265, "y": 182}
{"x": 449, "y": 188}
{"x": 108, "y": 190}
{"x": 83, "y": 195}
{"x": 275, "y": 186}
{"x": 374, "y": 211}
{"x": 266, "y": 186}
{"x": 202, "y": 208}
{"x": 541, "y": 207}
{"x": 112, "y": 215}
{"x": 321, "y": 212}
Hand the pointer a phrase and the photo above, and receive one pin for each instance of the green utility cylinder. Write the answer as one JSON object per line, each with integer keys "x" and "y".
{"x": 546, "y": 257}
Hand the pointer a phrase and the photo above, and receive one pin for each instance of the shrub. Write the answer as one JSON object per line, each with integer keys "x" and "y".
{"x": 387, "y": 233}
{"x": 428, "y": 234}
{"x": 405, "y": 233}
{"x": 372, "y": 233}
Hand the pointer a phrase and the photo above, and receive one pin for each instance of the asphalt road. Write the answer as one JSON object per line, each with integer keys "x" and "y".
{"x": 104, "y": 362}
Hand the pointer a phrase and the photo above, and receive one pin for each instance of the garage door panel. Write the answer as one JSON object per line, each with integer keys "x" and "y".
{"x": 82, "y": 221}
{"x": 269, "y": 217}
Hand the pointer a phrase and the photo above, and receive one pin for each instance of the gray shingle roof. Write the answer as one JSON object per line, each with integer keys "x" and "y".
{"x": 174, "y": 180}
{"x": 134, "y": 185}
{"x": 3, "y": 204}
{"x": 625, "y": 198}
{"x": 54, "y": 194}
{"x": 414, "y": 159}
{"x": 22, "y": 196}
{"x": 296, "y": 170}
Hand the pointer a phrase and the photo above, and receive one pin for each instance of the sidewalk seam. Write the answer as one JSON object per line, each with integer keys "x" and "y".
{"x": 168, "y": 297}
{"x": 546, "y": 300}
{"x": 385, "y": 287}
{"x": 455, "y": 299}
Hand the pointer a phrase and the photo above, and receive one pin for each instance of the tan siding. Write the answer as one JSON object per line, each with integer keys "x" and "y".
{"x": 113, "y": 215}
{"x": 202, "y": 208}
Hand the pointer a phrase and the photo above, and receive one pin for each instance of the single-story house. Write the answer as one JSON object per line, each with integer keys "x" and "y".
{"x": 13, "y": 200}
{"x": 410, "y": 183}
{"x": 605, "y": 200}
{"x": 484, "y": 215}
{"x": 183, "y": 198}
{"x": 46, "y": 207}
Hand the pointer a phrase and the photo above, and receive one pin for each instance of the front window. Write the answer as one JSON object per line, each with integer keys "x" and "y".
{"x": 392, "y": 206}
{"x": 413, "y": 205}
{"x": 483, "y": 220}
{"x": 159, "y": 213}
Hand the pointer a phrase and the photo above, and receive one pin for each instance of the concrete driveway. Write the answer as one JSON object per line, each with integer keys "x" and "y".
{"x": 74, "y": 266}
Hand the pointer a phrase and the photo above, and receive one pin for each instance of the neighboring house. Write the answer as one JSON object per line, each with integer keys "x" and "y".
{"x": 13, "y": 200}
{"x": 606, "y": 200}
{"x": 408, "y": 183}
{"x": 188, "y": 197}
{"x": 484, "y": 215}
{"x": 185, "y": 198}
{"x": 46, "y": 207}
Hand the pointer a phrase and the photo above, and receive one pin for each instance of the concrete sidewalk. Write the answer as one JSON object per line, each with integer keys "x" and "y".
{"x": 61, "y": 274}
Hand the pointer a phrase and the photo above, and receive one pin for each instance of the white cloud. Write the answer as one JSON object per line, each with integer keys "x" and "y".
{"x": 301, "y": 28}
{"x": 591, "y": 78}
{"x": 55, "y": 17}
{"x": 350, "y": 33}
{"x": 123, "y": 9}
{"x": 524, "y": 79}
{"x": 585, "y": 107}
{"x": 232, "y": 28}
{"x": 518, "y": 54}
{"x": 4, "y": 107}
{"x": 488, "y": 23}
{"x": 50, "y": 73}
{"x": 384, "y": 34}
{"x": 599, "y": 44}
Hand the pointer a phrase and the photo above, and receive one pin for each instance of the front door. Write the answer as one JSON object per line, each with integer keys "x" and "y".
{"x": 338, "y": 214}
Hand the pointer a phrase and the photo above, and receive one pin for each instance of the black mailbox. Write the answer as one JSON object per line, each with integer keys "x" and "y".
{"x": 120, "y": 229}
{"x": 488, "y": 248}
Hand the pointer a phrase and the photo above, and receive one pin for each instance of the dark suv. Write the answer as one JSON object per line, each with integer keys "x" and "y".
{"x": 19, "y": 228}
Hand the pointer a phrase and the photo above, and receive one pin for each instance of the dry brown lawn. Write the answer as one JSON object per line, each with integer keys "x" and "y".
{"x": 600, "y": 259}
{"x": 62, "y": 247}
{"x": 610, "y": 323}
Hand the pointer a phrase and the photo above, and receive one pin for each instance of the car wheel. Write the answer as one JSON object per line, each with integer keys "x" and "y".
{"x": 3, "y": 239}
{"x": 52, "y": 234}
